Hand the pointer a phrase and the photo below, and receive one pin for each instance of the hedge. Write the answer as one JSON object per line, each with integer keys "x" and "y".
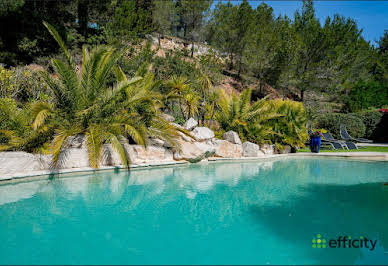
{"x": 366, "y": 124}
{"x": 331, "y": 122}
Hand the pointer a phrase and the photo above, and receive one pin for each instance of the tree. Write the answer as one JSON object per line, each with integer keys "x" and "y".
{"x": 310, "y": 47}
{"x": 262, "y": 55}
{"x": 163, "y": 17}
{"x": 249, "y": 120}
{"x": 229, "y": 29}
{"x": 222, "y": 32}
{"x": 86, "y": 104}
{"x": 193, "y": 14}
{"x": 243, "y": 20}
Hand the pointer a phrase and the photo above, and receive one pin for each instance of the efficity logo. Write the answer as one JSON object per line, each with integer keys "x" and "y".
{"x": 343, "y": 242}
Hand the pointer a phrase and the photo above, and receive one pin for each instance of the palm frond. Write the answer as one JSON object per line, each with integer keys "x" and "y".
{"x": 59, "y": 40}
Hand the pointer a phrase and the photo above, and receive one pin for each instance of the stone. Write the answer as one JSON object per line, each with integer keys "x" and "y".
{"x": 73, "y": 158}
{"x": 267, "y": 149}
{"x": 205, "y": 147}
{"x": 13, "y": 162}
{"x": 156, "y": 142}
{"x": 202, "y": 133}
{"x": 226, "y": 149}
{"x": 286, "y": 149}
{"x": 187, "y": 150}
{"x": 176, "y": 125}
{"x": 167, "y": 117}
{"x": 110, "y": 156}
{"x": 190, "y": 124}
{"x": 184, "y": 137}
{"x": 232, "y": 137}
{"x": 153, "y": 154}
{"x": 77, "y": 141}
{"x": 251, "y": 150}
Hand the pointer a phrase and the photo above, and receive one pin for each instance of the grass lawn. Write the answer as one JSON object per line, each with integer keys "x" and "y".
{"x": 360, "y": 149}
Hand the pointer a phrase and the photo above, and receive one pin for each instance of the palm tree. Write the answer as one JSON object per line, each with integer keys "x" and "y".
{"x": 249, "y": 120}
{"x": 290, "y": 128}
{"x": 86, "y": 103}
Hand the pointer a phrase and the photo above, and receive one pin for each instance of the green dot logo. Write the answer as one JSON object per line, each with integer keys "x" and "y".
{"x": 319, "y": 242}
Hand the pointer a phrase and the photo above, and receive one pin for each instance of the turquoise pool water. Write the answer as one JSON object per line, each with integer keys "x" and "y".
{"x": 216, "y": 213}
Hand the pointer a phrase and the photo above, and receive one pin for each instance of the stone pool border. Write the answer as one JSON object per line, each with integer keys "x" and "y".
{"x": 46, "y": 174}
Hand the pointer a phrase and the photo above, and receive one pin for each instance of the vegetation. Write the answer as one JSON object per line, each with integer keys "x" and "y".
{"x": 360, "y": 149}
{"x": 110, "y": 81}
{"x": 86, "y": 103}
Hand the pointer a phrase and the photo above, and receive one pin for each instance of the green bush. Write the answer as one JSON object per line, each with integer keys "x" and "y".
{"x": 370, "y": 119}
{"x": 364, "y": 95}
{"x": 331, "y": 122}
{"x": 22, "y": 84}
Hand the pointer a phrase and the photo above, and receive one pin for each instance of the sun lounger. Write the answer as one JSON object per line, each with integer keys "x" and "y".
{"x": 350, "y": 145}
{"x": 345, "y": 135}
{"x": 336, "y": 144}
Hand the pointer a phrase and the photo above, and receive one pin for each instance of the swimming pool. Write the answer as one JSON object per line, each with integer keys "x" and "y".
{"x": 267, "y": 212}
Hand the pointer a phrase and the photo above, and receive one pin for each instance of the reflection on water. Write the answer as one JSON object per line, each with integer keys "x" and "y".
{"x": 178, "y": 214}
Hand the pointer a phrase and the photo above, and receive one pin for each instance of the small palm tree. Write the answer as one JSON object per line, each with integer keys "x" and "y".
{"x": 86, "y": 103}
{"x": 249, "y": 120}
{"x": 290, "y": 128}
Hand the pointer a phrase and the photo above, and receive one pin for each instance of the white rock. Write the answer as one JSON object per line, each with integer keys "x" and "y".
{"x": 77, "y": 141}
{"x": 110, "y": 156}
{"x": 202, "y": 133}
{"x": 167, "y": 117}
{"x": 150, "y": 154}
{"x": 191, "y": 123}
{"x": 188, "y": 151}
{"x": 73, "y": 158}
{"x": 232, "y": 137}
{"x": 267, "y": 149}
{"x": 176, "y": 125}
{"x": 226, "y": 149}
{"x": 286, "y": 149}
{"x": 156, "y": 142}
{"x": 184, "y": 137}
{"x": 13, "y": 162}
{"x": 251, "y": 150}
{"x": 205, "y": 147}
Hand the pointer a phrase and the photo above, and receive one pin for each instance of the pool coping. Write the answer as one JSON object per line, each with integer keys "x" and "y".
{"x": 46, "y": 174}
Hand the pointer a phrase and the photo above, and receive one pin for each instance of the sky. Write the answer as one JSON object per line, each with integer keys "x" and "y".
{"x": 371, "y": 16}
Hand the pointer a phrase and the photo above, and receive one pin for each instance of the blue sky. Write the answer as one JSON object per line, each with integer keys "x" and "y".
{"x": 371, "y": 16}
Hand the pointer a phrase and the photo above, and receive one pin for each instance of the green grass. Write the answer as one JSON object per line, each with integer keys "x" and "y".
{"x": 360, "y": 149}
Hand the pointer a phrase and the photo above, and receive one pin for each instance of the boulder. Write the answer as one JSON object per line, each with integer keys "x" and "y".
{"x": 156, "y": 142}
{"x": 286, "y": 149}
{"x": 110, "y": 156}
{"x": 176, "y": 125}
{"x": 14, "y": 162}
{"x": 251, "y": 150}
{"x": 190, "y": 124}
{"x": 187, "y": 150}
{"x": 232, "y": 137}
{"x": 167, "y": 117}
{"x": 139, "y": 154}
{"x": 205, "y": 147}
{"x": 226, "y": 149}
{"x": 73, "y": 158}
{"x": 77, "y": 141}
{"x": 267, "y": 149}
{"x": 184, "y": 137}
{"x": 202, "y": 133}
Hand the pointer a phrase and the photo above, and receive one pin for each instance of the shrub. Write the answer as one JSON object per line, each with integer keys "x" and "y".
{"x": 290, "y": 127}
{"x": 370, "y": 119}
{"x": 331, "y": 122}
{"x": 22, "y": 84}
{"x": 364, "y": 95}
